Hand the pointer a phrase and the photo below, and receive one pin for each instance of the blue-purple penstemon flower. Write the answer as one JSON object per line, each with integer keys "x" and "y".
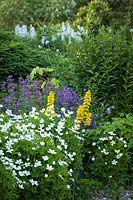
{"x": 68, "y": 99}
{"x": 26, "y": 93}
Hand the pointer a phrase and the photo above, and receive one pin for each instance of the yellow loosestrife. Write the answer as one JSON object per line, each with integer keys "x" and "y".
{"x": 80, "y": 114}
{"x": 83, "y": 114}
{"x": 50, "y": 104}
{"x": 87, "y": 99}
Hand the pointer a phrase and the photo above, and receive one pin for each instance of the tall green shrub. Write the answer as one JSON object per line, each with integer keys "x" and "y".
{"x": 94, "y": 14}
{"x": 104, "y": 66}
{"x": 103, "y": 12}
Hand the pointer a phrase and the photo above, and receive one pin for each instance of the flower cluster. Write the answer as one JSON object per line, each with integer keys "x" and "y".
{"x": 22, "y": 31}
{"x": 26, "y": 93}
{"x": 83, "y": 116}
{"x": 108, "y": 154}
{"x": 67, "y": 98}
{"x": 35, "y": 142}
{"x": 112, "y": 145}
{"x": 66, "y": 32}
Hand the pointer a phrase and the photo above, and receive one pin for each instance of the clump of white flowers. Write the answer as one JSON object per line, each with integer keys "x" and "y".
{"x": 65, "y": 33}
{"x": 35, "y": 141}
{"x": 108, "y": 146}
{"x": 24, "y": 31}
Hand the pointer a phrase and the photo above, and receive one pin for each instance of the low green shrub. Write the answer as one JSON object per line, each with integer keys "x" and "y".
{"x": 7, "y": 184}
{"x": 18, "y": 56}
{"x": 43, "y": 153}
{"x": 108, "y": 155}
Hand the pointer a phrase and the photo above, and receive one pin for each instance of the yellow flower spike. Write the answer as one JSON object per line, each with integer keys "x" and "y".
{"x": 50, "y": 104}
{"x": 80, "y": 114}
{"x": 87, "y": 99}
{"x": 83, "y": 114}
{"x": 87, "y": 119}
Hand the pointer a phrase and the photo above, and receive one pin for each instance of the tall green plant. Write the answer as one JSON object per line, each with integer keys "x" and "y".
{"x": 104, "y": 66}
{"x": 103, "y": 12}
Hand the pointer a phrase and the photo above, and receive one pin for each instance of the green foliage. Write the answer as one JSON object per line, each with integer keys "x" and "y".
{"x": 108, "y": 154}
{"x": 119, "y": 13}
{"x": 7, "y": 185}
{"x": 93, "y": 15}
{"x": 40, "y": 71}
{"x": 65, "y": 70}
{"x": 81, "y": 2}
{"x": 103, "y": 65}
{"x": 103, "y": 12}
{"x": 19, "y": 56}
{"x": 14, "y": 12}
{"x": 43, "y": 74}
{"x": 86, "y": 188}
{"x": 43, "y": 153}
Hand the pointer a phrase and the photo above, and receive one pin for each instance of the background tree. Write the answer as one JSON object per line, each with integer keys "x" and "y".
{"x": 14, "y": 12}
